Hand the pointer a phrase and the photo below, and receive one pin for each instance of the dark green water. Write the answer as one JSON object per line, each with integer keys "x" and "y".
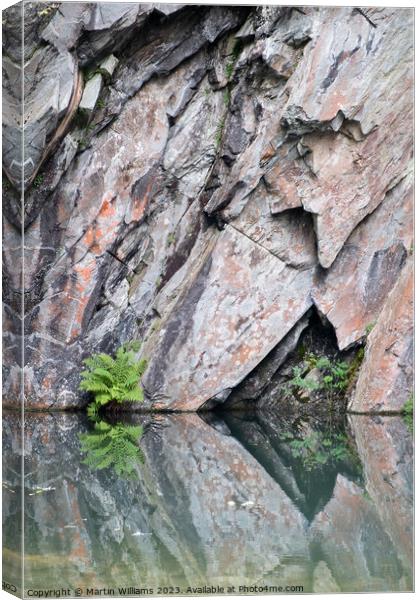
{"x": 240, "y": 500}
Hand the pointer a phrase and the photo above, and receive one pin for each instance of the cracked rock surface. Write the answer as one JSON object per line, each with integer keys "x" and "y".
{"x": 241, "y": 166}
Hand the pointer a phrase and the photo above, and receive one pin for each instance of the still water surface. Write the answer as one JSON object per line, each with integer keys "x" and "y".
{"x": 239, "y": 500}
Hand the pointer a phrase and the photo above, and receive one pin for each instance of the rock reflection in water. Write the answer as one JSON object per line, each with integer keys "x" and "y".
{"x": 12, "y": 463}
{"x": 241, "y": 500}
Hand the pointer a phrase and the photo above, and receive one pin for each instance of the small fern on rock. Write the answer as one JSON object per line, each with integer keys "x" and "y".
{"x": 113, "y": 446}
{"x": 113, "y": 379}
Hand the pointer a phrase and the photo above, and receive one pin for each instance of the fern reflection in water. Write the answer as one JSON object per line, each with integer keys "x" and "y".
{"x": 113, "y": 446}
{"x": 318, "y": 449}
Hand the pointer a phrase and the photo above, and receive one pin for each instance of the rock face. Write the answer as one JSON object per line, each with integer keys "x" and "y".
{"x": 238, "y": 167}
{"x": 385, "y": 380}
{"x": 353, "y": 291}
{"x": 250, "y": 297}
{"x": 348, "y": 169}
{"x": 52, "y": 86}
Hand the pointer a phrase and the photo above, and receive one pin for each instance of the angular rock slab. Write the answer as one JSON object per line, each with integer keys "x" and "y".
{"x": 290, "y": 235}
{"x": 253, "y": 385}
{"x": 52, "y": 88}
{"x": 385, "y": 380}
{"x": 52, "y": 82}
{"x": 247, "y": 170}
{"x": 240, "y": 302}
{"x": 353, "y": 291}
{"x": 166, "y": 46}
{"x": 67, "y": 24}
{"x": 91, "y": 218}
{"x": 357, "y": 79}
{"x": 109, "y": 26}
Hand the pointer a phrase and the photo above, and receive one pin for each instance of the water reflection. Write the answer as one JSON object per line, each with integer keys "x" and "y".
{"x": 12, "y": 465}
{"x": 241, "y": 500}
{"x": 303, "y": 456}
{"x": 113, "y": 446}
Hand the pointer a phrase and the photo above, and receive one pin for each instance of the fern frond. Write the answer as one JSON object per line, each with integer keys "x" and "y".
{"x": 141, "y": 367}
{"x": 135, "y": 395}
{"x": 93, "y": 411}
{"x": 134, "y": 431}
{"x": 103, "y": 426}
{"x": 131, "y": 379}
{"x": 92, "y": 385}
{"x": 103, "y": 374}
{"x": 91, "y": 363}
{"x": 105, "y": 361}
{"x": 114, "y": 379}
{"x": 103, "y": 398}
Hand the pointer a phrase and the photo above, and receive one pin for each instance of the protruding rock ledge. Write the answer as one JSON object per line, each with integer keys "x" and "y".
{"x": 353, "y": 291}
{"x": 385, "y": 382}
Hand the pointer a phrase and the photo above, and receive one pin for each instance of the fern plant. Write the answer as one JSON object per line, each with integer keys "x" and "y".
{"x": 113, "y": 379}
{"x": 408, "y": 412}
{"x": 332, "y": 380}
{"x": 113, "y": 446}
{"x": 300, "y": 382}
